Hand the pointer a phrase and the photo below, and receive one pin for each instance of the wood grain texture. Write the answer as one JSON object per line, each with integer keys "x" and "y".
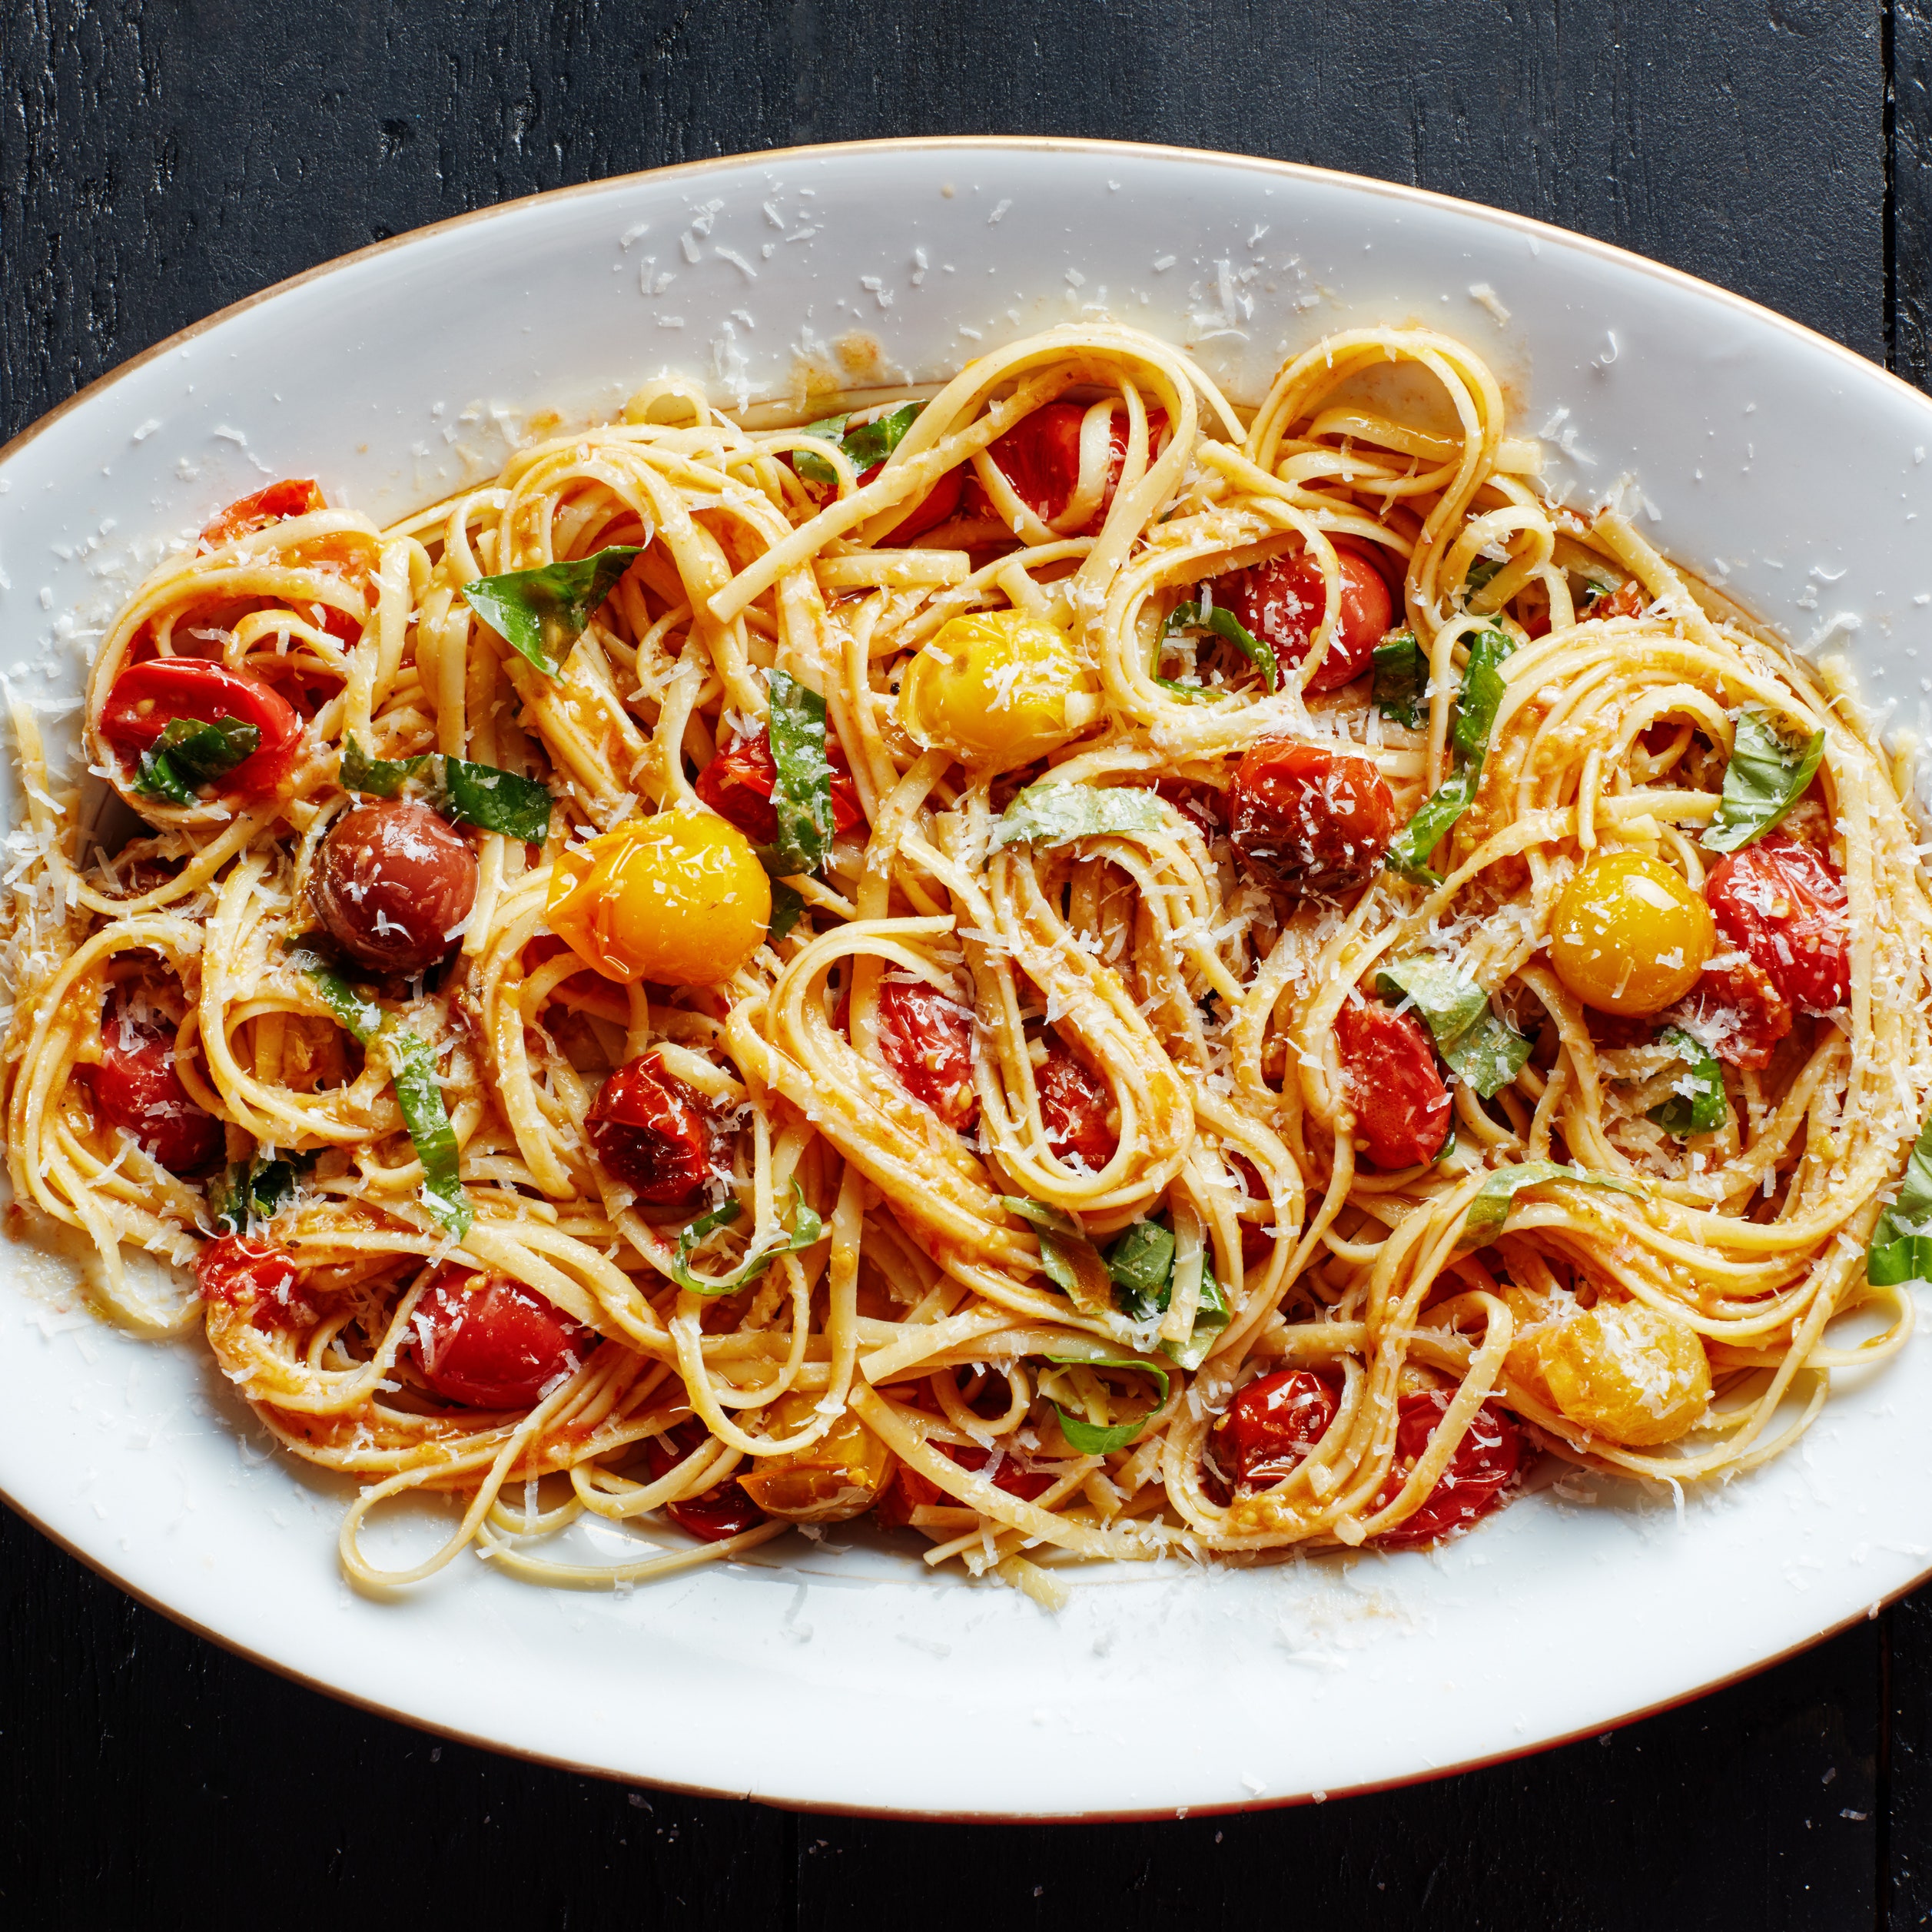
{"x": 159, "y": 158}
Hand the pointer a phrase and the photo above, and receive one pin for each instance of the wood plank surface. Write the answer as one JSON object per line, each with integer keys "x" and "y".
{"x": 159, "y": 158}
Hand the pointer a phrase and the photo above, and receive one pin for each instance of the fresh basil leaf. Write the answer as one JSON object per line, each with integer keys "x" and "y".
{"x": 1490, "y": 1056}
{"x": 1481, "y": 694}
{"x": 1223, "y": 624}
{"x": 873, "y": 442}
{"x": 1767, "y": 776}
{"x": 1068, "y": 1258}
{"x": 1497, "y": 1195}
{"x": 1701, "y": 1110}
{"x": 381, "y": 777}
{"x": 806, "y": 1228}
{"x": 815, "y": 469}
{"x": 540, "y": 612}
{"x": 801, "y": 792}
{"x": 1188, "y": 694}
{"x": 419, "y": 1093}
{"x": 1401, "y": 679}
{"x": 1481, "y": 572}
{"x": 1054, "y": 815}
{"x": 1140, "y": 1263}
{"x": 1475, "y": 718}
{"x": 257, "y": 1190}
{"x": 1212, "y": 1314}
{"x": 1901, "y": 1243}
{"x": 1410, "y": 849}
{"x": 1483, "y": 1051}
{"x": 363, "y": 1017}
{"x": 494, "y": 800}
{"x": 1095, "y": 1438}
{"x": 788, "y": 906}
{"x": 189, "y": 752}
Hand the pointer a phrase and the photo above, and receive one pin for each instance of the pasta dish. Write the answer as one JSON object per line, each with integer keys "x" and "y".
{"x": 1077, "y": 971}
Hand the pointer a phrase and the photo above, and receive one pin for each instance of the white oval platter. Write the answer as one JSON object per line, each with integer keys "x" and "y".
{"x": 1772, "y": 461}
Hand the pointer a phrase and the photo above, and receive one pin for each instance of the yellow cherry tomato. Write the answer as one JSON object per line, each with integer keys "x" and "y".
{"x": 1626, "y": 1372}
{"x": 997, "y": 688}
{"x": 1629, "y": 936}
{"x": 840, "y": 1475}
{"x": 679, "y": 898}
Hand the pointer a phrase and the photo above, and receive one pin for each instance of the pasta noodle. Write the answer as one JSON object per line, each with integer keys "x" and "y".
{"x": 1264, "y": 970}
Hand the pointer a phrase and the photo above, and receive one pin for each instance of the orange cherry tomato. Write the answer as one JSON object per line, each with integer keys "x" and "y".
{"x": 1040, "y": 458}
{"x": 274, "y": 503}
{"x": 1402, "y": 1107}
{"x": 1316, "y": 821}
{"x": 1074, "y": 1106}
{"x": 653, "y": 1133}
{"x": 1281, "y": 602}
{"x": 137, "y": 1087}
{"x": 737, "y": 784}
{"x": 257, "y": 1277}
{"x": 1268, "y": 1428}
{"x": 487, "y": 1342}
{"x": 147, "y": 696}
{"x": 719, "y": 1512}
{"x": 1487, "y": 1457}
{"x": 1783, "y": 902}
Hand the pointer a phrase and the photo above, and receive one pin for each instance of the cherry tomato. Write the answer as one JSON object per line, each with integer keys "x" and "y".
{"x": 488, "y": 1342}
{"x": 737, "y": 784}
{"x": 997, "y": 688}
{"x": 1201, "y": 803}
{"x": 928, "y": 1041}
{"x": 939, "y": 503}
{"x": 1316, "y": 821}
{"x": 258, "y": 1276}
{"x": 1783, "y": 902}
{"x": 1737, "y": 1009}
{"x": 1402, "y": 1107}
{"x": 393, "y": 882}
{"x": 1627, "y": 600}
{"x": 1257, "y": 1244}
{"x": 653, "y": 1133}
{"x": 146, "y": 696}
{"x": 1040, "y": 458}
{"x": 719, "y": 1512}
{"x": 1281, "y": 602}
{"x": 1485, "y": 1460}
{"x": 273, "y": 504}
{"x": 1074, "y": 1106}
{"x": 1270, "y": 1427}
{"x": 137, "y": 1087}
{"x": 1629, "y": 935}
{"x": 911, "y": 1491}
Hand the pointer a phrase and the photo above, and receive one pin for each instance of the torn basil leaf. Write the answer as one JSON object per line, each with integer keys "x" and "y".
{"x": 1700, "y": 1109}
{"x": 361, "y": 1017}
{"x": 377, "y": 778}
{"x": 1068, "y": 1258}
{"x": 802, "y": 791}
{"x": 1212, "y": 1314}
{"x": 806, "y": 1228}
{"x": 1095, "y": 1438}
{"x": 1901, "y": 1243}
{"x": 540, "y": 612}
{"x": 1224, "y": 624}
{"x": 788, "y": 907}
{"x": 257, "y": 1190}
{"x": 1483, "y": 1051}
{"x": 1410, "y": 850}
{"x": 1496, "y": 1197}
{"x": 1054, "y": 815}
{"x": 1476, "y": 706}
{"x": 189, "y": 752}
{"x": 494, "y": 800}
{"x": 869, "y": 443}
{"x": 1140, "y": 1263}
{"x": 1768, "y": 774}
{"x": 1402, "y": 680}
{"x": 1481, "y": 694}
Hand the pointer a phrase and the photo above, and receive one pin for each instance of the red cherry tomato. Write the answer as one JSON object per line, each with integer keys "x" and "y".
{"x": 1201, "y": 803}
{"x": 1040, "y": 458}
{"x": 1627, "y": 600}
{"x": 653, "y": 1133}
{"x": 1783, "y": 902}
{"x": 723, "y": 1511}
{"x": 147, "y": 695}
{"x": 274, "y": 503}
{"x": 939, "y": 503}
{"x": 928, "y": 1041}
{"x": 1317, "y": 821}
{"x": 1257, "y": 1244}
{"x": 737, "y": 784}
{"x": 489, "y": 1342}
{"x": 1402, "y": 1107}
{"x": 1270, "y": 1427}
{"x": 1074, "y": 1106}
{"x": 259, "y": 1277}
{"x": 137, "y": 1087}
{"x": 911, "y": 1491}
{"x": 1738, "y": 1012}
{"x": 1485, "y": 1460}
{"x": 1281, "y": 602}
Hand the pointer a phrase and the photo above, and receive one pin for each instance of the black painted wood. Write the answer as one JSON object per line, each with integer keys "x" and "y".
{"x": 159, "y": 158}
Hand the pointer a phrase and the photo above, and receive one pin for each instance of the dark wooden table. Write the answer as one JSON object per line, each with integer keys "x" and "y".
{"x": 159, "y": 158}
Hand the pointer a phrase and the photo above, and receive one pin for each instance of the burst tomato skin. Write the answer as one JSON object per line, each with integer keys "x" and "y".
{"x": 258, "y": 1276}
{"x": 1040, "y": 458}
{"x": 909, "y": 1490}
{"x": 653, "y": 1133}
{"x": 940, "y": 503}
{"x": 1281, "y": 602}
{"x": 1401, "y": 1106}
{"x": 273, "y": 504}
{"x": 722, "y": 1511}
{"x": 1486, "y": 1459}
{"x": 1074, "y": 1106}
{"x": 1783, "y": 902}
{"x": 137, "y": 1087}
{"x": 487, "y": 1342}
{"x": 1737, "y": 1009}
{"x": 1316, "y": 821}
{"x": 146, "y": 696}
{"x": 737, "y": 784}
{"x": 928, "y": 1041}
{"x": 1269, "y": 1426}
